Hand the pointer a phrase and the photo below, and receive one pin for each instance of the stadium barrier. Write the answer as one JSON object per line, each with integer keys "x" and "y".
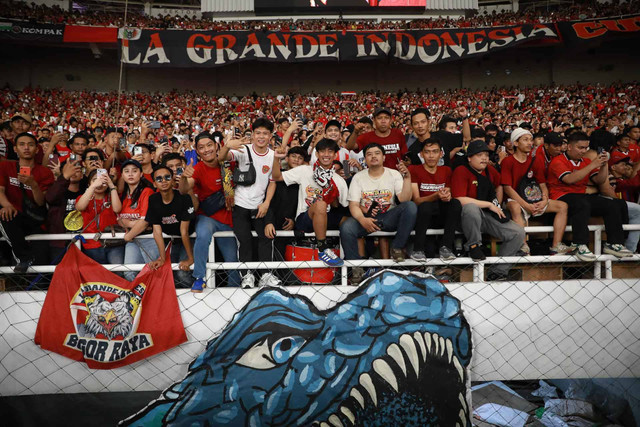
{"x": 585, "y": 325}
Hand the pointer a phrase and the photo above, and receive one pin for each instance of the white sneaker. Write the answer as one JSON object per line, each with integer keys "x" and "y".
{"x": 584, "y": 254}
{"x": 248, "y": 281}
{"x": 269, "y": 279}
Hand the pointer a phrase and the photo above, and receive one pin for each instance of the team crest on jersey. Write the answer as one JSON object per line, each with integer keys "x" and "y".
{"x": 265, "y": 169}
{"x": 106, "y": 317}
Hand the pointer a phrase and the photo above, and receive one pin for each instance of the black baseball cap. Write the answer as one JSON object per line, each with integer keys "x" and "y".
{"x": 554, "y": 138}
{"x": 381, "y": 110}
{"x": 477, "y": 146}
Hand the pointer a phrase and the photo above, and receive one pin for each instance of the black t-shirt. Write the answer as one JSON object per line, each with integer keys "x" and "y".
{"x": 169, "y": 216}
{"x": 449, "y": 141}
{"x": 70, "y": 201}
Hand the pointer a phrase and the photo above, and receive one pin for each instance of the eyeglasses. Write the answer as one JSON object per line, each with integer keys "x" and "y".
{"x": 165, "y": 178}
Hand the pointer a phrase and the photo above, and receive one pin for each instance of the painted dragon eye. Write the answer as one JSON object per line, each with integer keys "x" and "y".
{"x": 285, "y": 348}
{"x": 265, "y": 355}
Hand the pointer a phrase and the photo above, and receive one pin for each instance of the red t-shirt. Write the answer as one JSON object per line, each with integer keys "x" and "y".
{"x": 512, "y": 171}
{"x": 394, "y": 146}
{"x": 139, "y": 210}
{"x": 429, "y": 183}
{"x": 107, "y": 218}
{"x": 465, "y": 184}
{"x": 9, "y": 180}
{"x": 542, "y": 160}
{"x": 208, "y": 180}
{"x": 561, "y": 166}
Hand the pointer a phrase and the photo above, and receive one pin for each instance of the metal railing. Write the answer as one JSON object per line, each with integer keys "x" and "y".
{"x": 478, "y": 266}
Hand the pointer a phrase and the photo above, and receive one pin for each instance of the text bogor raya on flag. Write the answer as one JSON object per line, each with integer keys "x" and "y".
{"x": 211, "y": 48}
{"x": 95, "y": 316}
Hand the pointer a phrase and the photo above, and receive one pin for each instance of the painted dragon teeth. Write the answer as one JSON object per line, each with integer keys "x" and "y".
{"x": 367, "y": 384}
{"x": 458, "y": 366}
{"x": 347, "y": 413}
{"x": 462, "y": 415}
{"x": 409, "y": 346}
{"x": 449, "y": 345}
{"x": 357, "y": 396}
{"x": 383, "y": 369}
{"x": 334, "y": 421}
{"x": 463, "y": 401}
{"x": 396, "y": 354}
{"x": 423, "y": 348}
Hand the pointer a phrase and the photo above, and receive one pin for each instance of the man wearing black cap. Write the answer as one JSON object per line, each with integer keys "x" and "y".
{"x": 392, "y": 140}
{"x": 554, "y": 145}
{"x": 477, "y": 187}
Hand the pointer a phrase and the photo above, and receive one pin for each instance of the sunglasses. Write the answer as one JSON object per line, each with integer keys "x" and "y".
{"x": 166, "y": 178}
{"x": 93, "y": 158}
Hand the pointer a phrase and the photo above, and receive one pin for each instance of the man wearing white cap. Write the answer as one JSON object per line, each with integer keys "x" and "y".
{"x": 524, "y": 184}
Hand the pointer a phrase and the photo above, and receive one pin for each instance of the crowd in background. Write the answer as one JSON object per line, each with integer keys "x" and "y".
{"x": 90, "y": 16}
{"x": 176, "y": 163}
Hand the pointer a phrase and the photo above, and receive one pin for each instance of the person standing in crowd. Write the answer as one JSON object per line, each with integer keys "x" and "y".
{"x": 113, "y": 154}
{"x": 135, "y": 201}
{"x": 390, "y": 139}
{"x": 453, "y": 143}
{"x": 477, "y": 187}
{"x": 321, "y": 191}
{"x": 568, "y": 177}
{"x": 530, "y": 198}
{"x": 173, "y": 214}
{"x": 554, "y": 145}
{"x": 626, "y": 146}
{"x": 177, "y": 164}
{"x": 421, "y": 126}
{"x": 205, "y": 179}
{"x": 253, "y": 196}
{"x": 61, "y": 199}
{"x": 431, "y": 189}
{"x": 372, "y": 203}
{"x": 99, "y": 205}
{"x": 144, "y": 156}
{"x": 625, "y": 184}
{"x": 23, "y": 187}
{"x": 331, "y": 131}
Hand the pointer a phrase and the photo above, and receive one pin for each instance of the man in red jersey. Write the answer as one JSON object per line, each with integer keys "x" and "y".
{"x": 525, "y": 199}
{"x": 21, "y": 182}
{"x": 554, "y": 145}
{"x": 205, "y": 180}
{"x": 392, "y": 140}
{"x": 431, "y": 189}
{"x": 568, "y": 177}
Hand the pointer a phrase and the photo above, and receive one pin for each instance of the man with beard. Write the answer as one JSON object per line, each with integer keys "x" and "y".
{"x": 321, "y": 191}
{"x": 391, "y": 140}
{"x": 21, "y": 180}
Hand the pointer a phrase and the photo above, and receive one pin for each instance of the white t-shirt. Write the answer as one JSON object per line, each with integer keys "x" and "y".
{"x": 365, "y": 190}
{"x": 309, "y": 190}
{"x": 249, "y": 197}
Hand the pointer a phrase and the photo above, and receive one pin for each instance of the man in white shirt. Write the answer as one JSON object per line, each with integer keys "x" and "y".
{"x": 373, "y": 207}
{"x": 321, "y": 193}
{"x": 252, "y": 195}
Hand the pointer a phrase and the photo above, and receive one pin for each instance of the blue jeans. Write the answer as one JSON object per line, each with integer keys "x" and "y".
{"x": 106, "y": 255}
{"x": 400, "y": 219}
{"x": 205, "y": 227}
{"x": 634, "y": 218}
{"x": 133, "y": 254}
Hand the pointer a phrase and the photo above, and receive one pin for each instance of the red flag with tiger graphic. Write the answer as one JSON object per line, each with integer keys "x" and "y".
{"x": 95, "y": 316}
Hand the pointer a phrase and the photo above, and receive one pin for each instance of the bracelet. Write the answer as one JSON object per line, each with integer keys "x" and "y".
{"x": 114, "y": 188}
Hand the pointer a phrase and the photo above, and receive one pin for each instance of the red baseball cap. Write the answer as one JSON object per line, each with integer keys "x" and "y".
{"x": 618, "y": 156}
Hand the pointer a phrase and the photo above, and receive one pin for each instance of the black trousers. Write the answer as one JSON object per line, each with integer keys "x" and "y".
{"x": 242, "y": 226}
{"x": 436, "y": 214}
{"x": 584, "y": 206}
{"x": 17, "y": 229}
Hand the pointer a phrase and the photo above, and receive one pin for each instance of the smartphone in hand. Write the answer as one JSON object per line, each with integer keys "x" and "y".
{"x": 25, "y": 170}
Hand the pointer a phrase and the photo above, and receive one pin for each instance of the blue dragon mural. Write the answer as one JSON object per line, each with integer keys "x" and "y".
{"x": 395, "y": 350}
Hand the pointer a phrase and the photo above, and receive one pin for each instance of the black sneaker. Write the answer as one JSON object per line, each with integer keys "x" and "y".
{"x": 493, "y": 276}
{"x": 476, "y": 253}
{"x": 23, "y": 265}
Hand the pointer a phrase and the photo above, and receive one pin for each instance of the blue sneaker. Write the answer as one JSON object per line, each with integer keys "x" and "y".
{"x": 198, "y": 286}
{"x": 330, "y": 258}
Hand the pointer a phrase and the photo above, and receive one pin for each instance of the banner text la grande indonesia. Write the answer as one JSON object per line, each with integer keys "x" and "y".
{"x": 210, "y": 48}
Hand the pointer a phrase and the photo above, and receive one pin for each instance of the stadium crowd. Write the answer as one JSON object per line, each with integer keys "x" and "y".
{"x": 480, "y": 162}
{"x": 136, "y": 18}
